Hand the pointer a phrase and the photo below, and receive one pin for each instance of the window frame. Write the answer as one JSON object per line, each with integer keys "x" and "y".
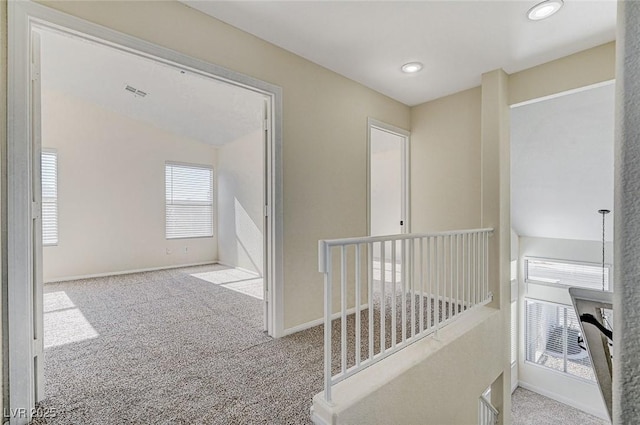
{"x": 213, "y": 199}
{"x": 566, "y": 359}
{"x": 54, "y": 153}
{"x": 527, "y": 279}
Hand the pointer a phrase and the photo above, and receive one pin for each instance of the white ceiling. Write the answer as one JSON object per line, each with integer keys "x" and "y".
{"x": 178, "y": 101}
{"x": 562, "y": 166}
{"x": 368, "y": 41}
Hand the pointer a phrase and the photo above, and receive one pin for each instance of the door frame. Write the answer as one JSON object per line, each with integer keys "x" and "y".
{"x": 18, "y": 307}
{"x": 406, "y": 170}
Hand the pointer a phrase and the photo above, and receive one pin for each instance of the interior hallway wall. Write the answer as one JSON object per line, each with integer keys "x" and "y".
{"x": 445, "y": 163}
{"x": 111, "y": 191}
{"x": 240, "y": 198}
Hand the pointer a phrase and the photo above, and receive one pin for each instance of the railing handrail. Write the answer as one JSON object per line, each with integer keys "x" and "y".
{"x": 487, "y": 413}
{"x": 434, "y": 277}
{"x": 401, "y": 236}
{"x": 325, "y": 244}
{"x": 488, "y": 405}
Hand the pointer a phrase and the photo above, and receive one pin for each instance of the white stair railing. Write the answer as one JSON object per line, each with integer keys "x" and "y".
{"x": 487, "y": 414}
{"x": 395, "y": 290}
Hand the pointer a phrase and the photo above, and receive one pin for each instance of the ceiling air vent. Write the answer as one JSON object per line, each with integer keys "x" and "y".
{"x": 135, "y": 91}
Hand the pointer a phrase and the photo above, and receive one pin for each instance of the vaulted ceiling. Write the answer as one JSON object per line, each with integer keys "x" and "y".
{"x": 178, "y": 101}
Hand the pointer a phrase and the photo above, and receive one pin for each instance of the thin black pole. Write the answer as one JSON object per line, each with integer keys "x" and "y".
{"x": 603, "y": 212}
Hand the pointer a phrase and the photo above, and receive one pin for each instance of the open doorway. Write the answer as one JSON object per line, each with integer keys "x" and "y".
{"x": 152, "y": 176}
{"x": 97, "y": 183}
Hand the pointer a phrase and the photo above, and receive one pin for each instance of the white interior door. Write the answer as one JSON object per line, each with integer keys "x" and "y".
{"x": 388, "y": 180}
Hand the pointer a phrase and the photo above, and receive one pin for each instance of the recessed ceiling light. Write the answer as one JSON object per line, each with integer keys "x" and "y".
{"x": 411, "y": 67}
{"x": 544, "y": 10}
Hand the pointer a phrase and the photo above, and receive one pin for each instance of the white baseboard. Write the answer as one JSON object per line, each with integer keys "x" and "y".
{"x": 320, "y": 321}
{"x": 150, "y": 269}
{"x": 550, "y": 394}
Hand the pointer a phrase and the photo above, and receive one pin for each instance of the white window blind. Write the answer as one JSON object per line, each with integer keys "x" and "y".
{"x": 189, "y": 201}
{"x": 565, "y": 273}
{"x": 49, "y": 198}
{"x": 514, "y": 332}
{"x": 553, "y": 339}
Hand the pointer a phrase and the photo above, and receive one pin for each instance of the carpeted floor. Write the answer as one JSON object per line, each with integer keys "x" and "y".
{"x": 179, "y": 347}
{"x": 529, "y": 408}
{"x": 168, "y": 348}
{"x": 186, "y": 346}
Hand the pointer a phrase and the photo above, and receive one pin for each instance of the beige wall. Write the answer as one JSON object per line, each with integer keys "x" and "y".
{"x": 324, "y": 134}
{"x": 111, "y": 191}
{"x": 240, "y": 198}
{"x": 581, "y": 69}
{"x": 445, "y": 147}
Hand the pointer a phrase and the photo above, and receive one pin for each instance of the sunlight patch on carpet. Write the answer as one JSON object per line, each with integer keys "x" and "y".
{"x": 241, "y": 281}
{"x": 64, "y": 323}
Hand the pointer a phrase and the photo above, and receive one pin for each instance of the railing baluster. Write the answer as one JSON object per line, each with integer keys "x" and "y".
{"x": 429, "y": 285}
{"x": 463, "y": 267}
{"x": 469, "y": 260}
{"x": 357, "y": 304}
{"x": 412, "y": 286}
{"x": 457, "y": 274}
{"x": 394, "y": 300}
{"x": 486, "y": 260}
{"x": 422, "y": 263}
{"x": 485, "y": 292}
{"x": 370, "y": 247}
{"x": 444, "y": 279}
{"x": 328, "y": 313}
{"x": 343, "y": 300}
{"x": 437, "y": 296}
{"x": 383, "y": 312}
{"x": 404, "y": 270}
{"x": 476, "y": 282}
{"x": 451, "y": 277}
{"x": 478, "y": 270}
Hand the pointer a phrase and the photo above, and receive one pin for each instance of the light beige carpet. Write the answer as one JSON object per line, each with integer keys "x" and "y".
{"x": 529, "y": 408}
{"x": 168, "y": 348}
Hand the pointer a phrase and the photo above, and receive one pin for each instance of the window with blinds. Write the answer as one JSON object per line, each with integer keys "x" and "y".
{"x": 584, "y": 275}
{"x": 553, "y": 339}
{"x": 49, "y": 164}
{"x": 189, "y": 201}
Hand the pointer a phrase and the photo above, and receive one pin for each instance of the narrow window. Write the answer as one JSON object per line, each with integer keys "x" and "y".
{"x": 564, "y": 273}
{"x": 49, "y": 198}
{"x": 189, "y": 201}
